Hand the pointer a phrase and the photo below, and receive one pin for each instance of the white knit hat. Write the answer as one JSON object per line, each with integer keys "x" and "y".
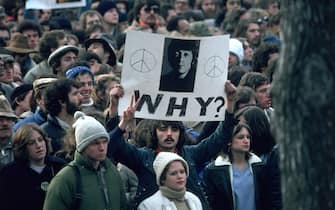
{"x": 236, "y": 47}
{"x": 87, "y": 129}
{"x": 162, "y": 160}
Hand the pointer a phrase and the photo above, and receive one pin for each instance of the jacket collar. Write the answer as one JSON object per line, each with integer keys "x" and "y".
{"x": 84, "y": 161}
{"x": 223, "y": 160}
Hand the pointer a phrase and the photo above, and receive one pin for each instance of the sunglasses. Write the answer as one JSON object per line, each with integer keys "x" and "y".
{"x": 263, "y": 19}
{"x": 155, "y": 9}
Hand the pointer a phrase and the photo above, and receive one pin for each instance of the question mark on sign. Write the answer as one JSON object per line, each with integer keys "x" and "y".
{"x": 221, "y": 104}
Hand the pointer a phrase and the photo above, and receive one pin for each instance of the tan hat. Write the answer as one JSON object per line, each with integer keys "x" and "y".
{"x": 5, "y": 108}
{"x": 19, "y": 44}
{"x": 42, "y": 83}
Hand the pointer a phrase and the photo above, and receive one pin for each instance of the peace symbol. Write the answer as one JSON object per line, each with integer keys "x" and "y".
{"x": 142, "y": 61}
{"x": 214, "y": 67}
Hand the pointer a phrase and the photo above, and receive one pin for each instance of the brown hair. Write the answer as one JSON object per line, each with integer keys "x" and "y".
{"x": 21, "y": 138}
{"x": 83, "y": 17}
{"x": 101, "y": 83}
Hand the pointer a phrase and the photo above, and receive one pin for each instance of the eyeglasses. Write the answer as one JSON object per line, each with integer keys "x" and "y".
{"x": 155, "y": 9}
{"x": 262, "y": 19}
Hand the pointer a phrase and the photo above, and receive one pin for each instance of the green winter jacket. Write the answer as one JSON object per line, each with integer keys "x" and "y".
{"x": 62, "y": 189}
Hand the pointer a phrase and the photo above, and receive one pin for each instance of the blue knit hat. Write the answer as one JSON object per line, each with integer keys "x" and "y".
{"x": 73, "y": 72}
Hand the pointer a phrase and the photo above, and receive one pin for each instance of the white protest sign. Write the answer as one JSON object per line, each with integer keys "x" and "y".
{"x": 54, "y": 4}
{"x": 175, "y": 79}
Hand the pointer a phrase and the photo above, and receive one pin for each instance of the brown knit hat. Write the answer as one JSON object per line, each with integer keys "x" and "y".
{"x": 19, "y": 44}
{"x": 5, "y": 108}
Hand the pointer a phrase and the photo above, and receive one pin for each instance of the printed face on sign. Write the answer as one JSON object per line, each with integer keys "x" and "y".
{"x": 185, "y": 60}
{"x": 179, "y": 65}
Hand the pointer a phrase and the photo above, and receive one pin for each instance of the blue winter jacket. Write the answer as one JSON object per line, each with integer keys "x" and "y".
{"x": 39, "y": 117}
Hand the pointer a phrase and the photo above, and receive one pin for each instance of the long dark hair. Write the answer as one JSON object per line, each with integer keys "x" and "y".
{"x": 183, "y": 137}
{"x": 236, "y": 130}
{"x": 263, "y": 140}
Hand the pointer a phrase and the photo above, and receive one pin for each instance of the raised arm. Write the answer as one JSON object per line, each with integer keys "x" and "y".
{"x": 111, "y": 112}
{"x": 209, "y": 147}
{"x": 118, "y": 148}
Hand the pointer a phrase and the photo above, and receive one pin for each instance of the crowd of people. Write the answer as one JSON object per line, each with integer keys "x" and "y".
{"x": 64, "y": 145}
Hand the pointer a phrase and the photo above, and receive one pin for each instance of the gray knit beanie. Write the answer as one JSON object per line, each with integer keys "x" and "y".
{"x": 162, "y": 160}
{"x": 87, "y": 129}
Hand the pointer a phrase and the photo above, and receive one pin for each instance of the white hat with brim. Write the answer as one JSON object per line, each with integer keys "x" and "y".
{"x": 60, "y": 52}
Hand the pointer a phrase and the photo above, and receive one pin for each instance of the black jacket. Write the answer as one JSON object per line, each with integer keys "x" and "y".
{"x": 272, "y": 179}
{"x": 23, "y": 188}
{"x": 218, "y": 178}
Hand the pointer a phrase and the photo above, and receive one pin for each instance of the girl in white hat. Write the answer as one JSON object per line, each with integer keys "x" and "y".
{"x": 171, "y": 174}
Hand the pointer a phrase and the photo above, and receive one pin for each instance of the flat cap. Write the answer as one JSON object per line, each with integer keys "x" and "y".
{"x": 42, "y": 83}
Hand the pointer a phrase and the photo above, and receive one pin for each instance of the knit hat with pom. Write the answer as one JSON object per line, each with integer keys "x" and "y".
{"x": 162, "y": 160}
{"x": 87, "y": 129}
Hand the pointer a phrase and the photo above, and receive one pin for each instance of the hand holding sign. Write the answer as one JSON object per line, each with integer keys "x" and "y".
{"x": 230, "y": 90}
{"x": 115, "y": 94}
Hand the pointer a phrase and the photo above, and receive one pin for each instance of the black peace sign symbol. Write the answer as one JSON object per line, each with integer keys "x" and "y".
{"x": 214, "y": 67}
{"x": 143, "y": 61}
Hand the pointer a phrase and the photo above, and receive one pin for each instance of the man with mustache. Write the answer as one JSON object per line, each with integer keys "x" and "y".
{"x": 168, "y": 136}
{"x": 61, "y": 100}
{"x": 7, "y": 118}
